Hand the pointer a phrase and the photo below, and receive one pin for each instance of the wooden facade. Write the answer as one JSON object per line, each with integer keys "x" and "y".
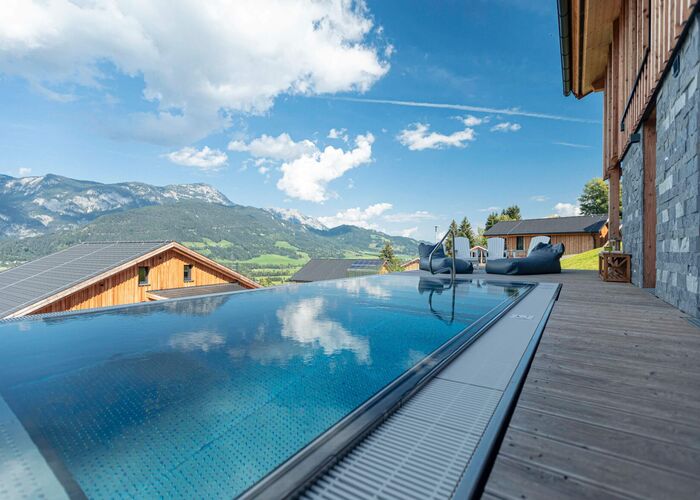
{"x": 573, "y": 242}
{"x": 623, "y": 48}
{"x": 119, "y": 286}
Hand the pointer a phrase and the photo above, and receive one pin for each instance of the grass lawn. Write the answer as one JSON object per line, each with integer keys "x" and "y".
{"x": 269, "y": 259}
{"x": 586, "y": 260}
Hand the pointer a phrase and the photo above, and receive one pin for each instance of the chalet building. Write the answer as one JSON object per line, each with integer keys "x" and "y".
{"x": 578, "y": 234}
{"x": 643, "y": 55}
{"x": 104, "y": 274}
{"x": 330, "y": 269}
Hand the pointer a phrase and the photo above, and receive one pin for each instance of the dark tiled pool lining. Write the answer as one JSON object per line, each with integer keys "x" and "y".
{"x": 442, "y": 442}
{"x": 315, "y": 462}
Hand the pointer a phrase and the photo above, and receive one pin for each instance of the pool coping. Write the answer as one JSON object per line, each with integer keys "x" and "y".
{"x": 294, "y": 475}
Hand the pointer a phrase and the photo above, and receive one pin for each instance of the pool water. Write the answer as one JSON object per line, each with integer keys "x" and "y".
{"x": 202, "y": 397}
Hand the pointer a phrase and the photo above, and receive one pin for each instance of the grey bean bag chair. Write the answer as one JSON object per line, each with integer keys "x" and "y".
{"x": 544, "y": 259}
{"x": 441, "y": 262}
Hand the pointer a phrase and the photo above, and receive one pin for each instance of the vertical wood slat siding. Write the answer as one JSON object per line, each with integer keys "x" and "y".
{"x": 166, "y": 270}
{"x": 632, "y": 35}
{"x": 573, "y": 243}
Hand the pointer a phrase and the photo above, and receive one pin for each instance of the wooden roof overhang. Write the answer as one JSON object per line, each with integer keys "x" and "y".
{"x": 173, "y": 245}
{"x": 586, "y": 31}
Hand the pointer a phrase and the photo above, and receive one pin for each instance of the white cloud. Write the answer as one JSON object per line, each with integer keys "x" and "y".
{"x": 281, "y": 147}
{"x": 566, "y": 209}
{"x": 419, "y": 138}
{"x": 410, "y": 216}
{"x": 199, "y": 61}
{"x": 204, "y": 159}
{"x": 465, "y": 107}
{"x": 307, "y": 177}
{"x": 357, "y": 216}
{"x": 572, "y": 145}
{"x": 341, "y": 134}
{"x": 407, "y": 233}
{"x": 490, "y": 209}
{"x": 539, "y": 198}
{"x": 473, "y": 121}
{"x": 24, "y": 171}
{"x": 506, "y": 127}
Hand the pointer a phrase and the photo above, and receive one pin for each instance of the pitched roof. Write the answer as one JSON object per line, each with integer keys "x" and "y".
{"x": 27, "y": 287}
{"x": 550, "y": 225}
{"x": 39, "y": 279}
{"x": 195, "y": 291}
{"x": 329, "y": 269}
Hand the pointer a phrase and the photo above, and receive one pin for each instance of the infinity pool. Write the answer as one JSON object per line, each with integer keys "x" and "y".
{"x": 203, "y": 397}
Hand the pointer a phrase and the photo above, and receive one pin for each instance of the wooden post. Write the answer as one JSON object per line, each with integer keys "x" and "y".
{"x": 614, "y": 207}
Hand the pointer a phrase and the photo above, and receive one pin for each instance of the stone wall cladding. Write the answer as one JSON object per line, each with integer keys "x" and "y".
{"x": 677, "y": 182}
{"x": 632, "y": 208}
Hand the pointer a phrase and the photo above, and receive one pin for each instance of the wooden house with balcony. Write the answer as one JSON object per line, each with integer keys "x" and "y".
{"x": 644, "y": 56}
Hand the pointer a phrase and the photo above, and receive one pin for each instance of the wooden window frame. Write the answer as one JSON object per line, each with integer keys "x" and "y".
{"x": 147, "y": 272}
{"x": 187, "y": 270}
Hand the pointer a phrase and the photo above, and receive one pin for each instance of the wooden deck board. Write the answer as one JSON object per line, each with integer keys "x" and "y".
{"x": 611, "y": 405}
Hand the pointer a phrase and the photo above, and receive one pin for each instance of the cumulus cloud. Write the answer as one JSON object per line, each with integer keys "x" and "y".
{"x": 473, "y": 121}
{"x": 281, "y": 147}
{"x": 490, "y": 209}
{"x": 506, "y": 127}
{"x": 203, "y": 159}
{"x": 24, "y": 171}
{"x": 308, "y": 176}
{"x": 357, "y": 216}
{"x": 566, "y": 209}
{"x": 539, "y": 198}
{"x": 199, "y": 62}
{"x": 408, "y": 232}
{"x": 418, "y": 137}
{"x": 341, "y": 134}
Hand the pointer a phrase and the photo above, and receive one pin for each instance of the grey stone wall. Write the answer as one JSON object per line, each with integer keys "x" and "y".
{"x": 678, "y": 181}
{"x": 632, "y": 209}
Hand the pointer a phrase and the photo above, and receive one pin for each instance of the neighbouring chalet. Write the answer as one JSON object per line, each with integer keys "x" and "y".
{"x": 644, "y": 55}
{"x": 330, "y": 269}
{"x": 103, "y": 274}
{"x": 578, "y": 234}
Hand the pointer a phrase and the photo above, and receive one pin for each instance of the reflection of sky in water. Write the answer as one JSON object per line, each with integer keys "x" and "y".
{"x": 202, "y": 397}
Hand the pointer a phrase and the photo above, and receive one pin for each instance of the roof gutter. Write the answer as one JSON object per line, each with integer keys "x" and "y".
{"x": 564, "y": 8}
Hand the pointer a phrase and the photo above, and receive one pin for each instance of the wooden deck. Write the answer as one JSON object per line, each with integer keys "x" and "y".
{"x": 611, "y": 405}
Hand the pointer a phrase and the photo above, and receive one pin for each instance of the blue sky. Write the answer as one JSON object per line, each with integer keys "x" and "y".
{"x": 191, "y": 96}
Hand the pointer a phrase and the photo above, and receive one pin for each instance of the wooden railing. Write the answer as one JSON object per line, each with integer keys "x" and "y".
{"x": 644, "y": 40}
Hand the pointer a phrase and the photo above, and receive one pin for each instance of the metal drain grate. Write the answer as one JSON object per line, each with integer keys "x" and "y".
{"x": 419, "y": 452}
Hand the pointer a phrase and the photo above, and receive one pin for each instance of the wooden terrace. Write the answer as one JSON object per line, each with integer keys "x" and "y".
{"x": 611, "y": 405}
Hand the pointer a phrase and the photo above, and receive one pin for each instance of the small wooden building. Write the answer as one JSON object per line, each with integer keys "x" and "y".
{"x": 411, "y": 265}
{"x": 91, "y": 275}
{"x": 578, "y": 234}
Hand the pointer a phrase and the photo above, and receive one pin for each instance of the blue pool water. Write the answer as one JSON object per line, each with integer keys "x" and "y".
{"x": 201, "y": 398}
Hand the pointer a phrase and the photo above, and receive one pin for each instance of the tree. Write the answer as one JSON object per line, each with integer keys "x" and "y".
{"x": 512, "y": 212}
{"x": 465, "y": 230}
{"x": 594, "y": 198}
{"x": 387, "y": 255}
{"x": 448, "y": 240}
{"x": 492, "y": 219}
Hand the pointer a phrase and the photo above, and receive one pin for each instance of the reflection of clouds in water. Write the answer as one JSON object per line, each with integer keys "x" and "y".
{"x": 196, "y": 341}
{"x": 358, "y": 286}
{"x": 302, "y": 322}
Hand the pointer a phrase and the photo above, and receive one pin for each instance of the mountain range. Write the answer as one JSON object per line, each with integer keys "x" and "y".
{"x": 39, "y": 215}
